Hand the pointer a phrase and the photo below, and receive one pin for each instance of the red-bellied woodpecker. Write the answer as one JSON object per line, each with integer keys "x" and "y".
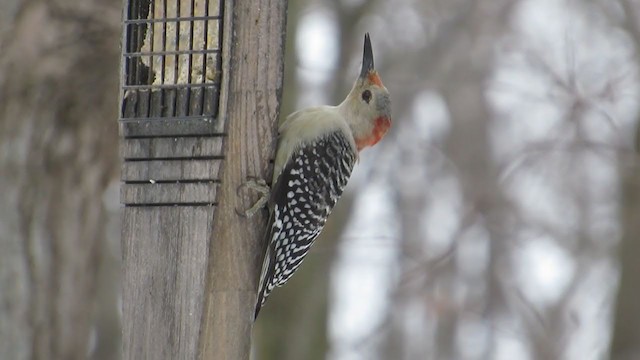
{"x": 317, "y": 149}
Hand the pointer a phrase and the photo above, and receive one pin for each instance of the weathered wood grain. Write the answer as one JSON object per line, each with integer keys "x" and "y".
{"x": 165, "y": 252}
{"x": 190, "y": 275}
{"x": 177, "y": 147}
{"x": 253, "y": 59}
{"x": 168, "y": 193}
{"x": 170, "y": 170}
{"x": 172, "y": 151}
{"x": 198, "y": 126}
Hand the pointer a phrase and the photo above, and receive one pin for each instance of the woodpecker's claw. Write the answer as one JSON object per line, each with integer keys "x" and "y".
{"x": 259, "y": 185}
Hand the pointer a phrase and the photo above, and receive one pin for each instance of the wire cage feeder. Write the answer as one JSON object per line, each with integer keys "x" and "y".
{"x": 170, "y": 86}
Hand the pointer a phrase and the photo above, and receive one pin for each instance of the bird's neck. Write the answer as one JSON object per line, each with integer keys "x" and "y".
{"x": 380, "y": 128}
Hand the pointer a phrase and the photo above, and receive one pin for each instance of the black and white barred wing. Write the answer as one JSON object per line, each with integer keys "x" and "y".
{"x": 302, "y": 198}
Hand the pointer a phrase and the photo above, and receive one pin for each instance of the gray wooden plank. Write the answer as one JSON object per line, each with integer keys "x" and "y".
{"x": 157, "y": 103}
{"x": 168, "y": 108}
{"x": 182, "y": 102}
{"x": 168, "y": 170}
{"x": 195, "y": 101}
{"x": 168, "y": 193}
{"x": 211, "y": 101}
{"x": 166, "y": 248}
{"x": 180, "y": 147}
{"x": 129, "y": 104}
{"x": 168, "y": 127}
{"x": 165, "y": 252}
{"x": 144, "y": 100}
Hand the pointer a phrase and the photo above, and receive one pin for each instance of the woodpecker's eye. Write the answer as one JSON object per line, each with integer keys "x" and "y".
{"x": 366, "y": 96}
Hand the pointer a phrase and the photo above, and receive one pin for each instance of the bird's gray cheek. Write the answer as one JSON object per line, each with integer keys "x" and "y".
{"x": 383, "y": 104}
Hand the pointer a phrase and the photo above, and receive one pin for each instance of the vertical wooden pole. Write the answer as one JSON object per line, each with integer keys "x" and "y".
{"x": 190, "y": 262}
{"x": 172, "y": 153}
{"x": 254, "y": 59}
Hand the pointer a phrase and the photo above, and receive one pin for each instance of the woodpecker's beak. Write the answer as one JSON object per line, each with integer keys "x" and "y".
{"x": 367, "y": 57}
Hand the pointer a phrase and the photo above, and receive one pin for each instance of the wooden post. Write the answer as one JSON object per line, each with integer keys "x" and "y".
{"x": 256, "y": 57}
{"x": 190, "y": 262}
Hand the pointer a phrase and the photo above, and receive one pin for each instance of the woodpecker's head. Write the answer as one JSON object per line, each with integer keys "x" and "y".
{"x": 367, "y": 108}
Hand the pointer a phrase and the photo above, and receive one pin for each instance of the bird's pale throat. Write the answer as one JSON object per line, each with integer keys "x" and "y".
{"x": 382, "y": 125}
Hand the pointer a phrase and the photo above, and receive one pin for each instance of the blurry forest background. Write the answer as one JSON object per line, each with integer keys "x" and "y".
{"x": 499, "y": 219}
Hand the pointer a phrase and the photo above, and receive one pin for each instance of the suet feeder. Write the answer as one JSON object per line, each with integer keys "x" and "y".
{"x": 170, "y": 92}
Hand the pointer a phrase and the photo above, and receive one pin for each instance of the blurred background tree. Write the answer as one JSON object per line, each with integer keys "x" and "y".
{"x": 59, "y": 232}
{"x": 487, "y": 224}
{"x": 498, "y": 220}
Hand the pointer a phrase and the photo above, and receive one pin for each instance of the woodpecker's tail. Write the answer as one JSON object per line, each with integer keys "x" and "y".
{"x": 264, "y": 280}
{"x": 268, "y": 265}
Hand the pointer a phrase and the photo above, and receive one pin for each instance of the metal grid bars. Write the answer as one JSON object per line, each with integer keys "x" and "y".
{"x": 171, "y": 72}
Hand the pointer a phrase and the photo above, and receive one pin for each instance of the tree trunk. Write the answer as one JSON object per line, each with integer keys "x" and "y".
{"x": 58, "y": 134}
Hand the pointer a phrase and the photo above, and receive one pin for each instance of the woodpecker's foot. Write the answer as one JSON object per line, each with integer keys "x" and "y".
{"x": 260, "y": 186}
